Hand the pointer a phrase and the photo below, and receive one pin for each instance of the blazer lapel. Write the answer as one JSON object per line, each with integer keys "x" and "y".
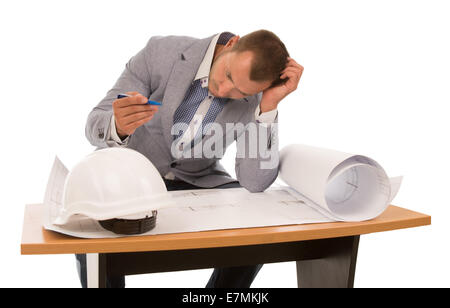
{"x": 181, "y": 78}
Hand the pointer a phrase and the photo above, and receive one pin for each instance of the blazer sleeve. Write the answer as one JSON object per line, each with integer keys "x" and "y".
{"x": 135, "y": 77}
{"x": 257, "y": 156}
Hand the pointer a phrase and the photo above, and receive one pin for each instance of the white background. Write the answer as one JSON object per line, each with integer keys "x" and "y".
{"x": 376, "y": 83}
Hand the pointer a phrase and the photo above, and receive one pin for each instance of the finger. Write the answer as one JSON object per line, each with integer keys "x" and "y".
{"x": 295, "y": 71}
{"x": 131, "y": 109}
{"x": 133, "y": 126}
{"x": 137, "y": 99}
{"x": 291, "y": 69}
{"x": 136, "y": 117}
{"x": 134, "y": 109}
{"x": 293, "y": 80}
{"x": 293, "y": 76}
{"x": 292, "y": 62}
{"x": 294, "y": 65}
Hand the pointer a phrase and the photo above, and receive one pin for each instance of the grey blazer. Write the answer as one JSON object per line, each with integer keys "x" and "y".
{"x": 163, "y": 71}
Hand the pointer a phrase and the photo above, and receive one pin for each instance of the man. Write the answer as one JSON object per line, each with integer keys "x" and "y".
{"x": 204, "y": 85}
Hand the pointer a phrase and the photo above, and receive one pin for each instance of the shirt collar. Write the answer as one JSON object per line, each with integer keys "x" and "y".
{"x": 205, "y": 66}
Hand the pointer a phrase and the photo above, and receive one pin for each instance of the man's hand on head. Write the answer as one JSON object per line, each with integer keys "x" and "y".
{"x": 272, "y": 96}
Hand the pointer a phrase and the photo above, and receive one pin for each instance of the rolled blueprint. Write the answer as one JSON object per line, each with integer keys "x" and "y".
{"x": 340, "y": 185}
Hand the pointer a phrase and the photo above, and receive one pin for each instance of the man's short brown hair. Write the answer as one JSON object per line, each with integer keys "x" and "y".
{"x": 270, "y": 56}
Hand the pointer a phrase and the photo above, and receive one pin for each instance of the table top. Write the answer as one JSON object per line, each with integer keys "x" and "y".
{"x": 37, "y": 240}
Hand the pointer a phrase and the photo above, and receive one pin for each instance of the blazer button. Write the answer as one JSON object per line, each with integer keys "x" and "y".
{"x": 172, "y": 165}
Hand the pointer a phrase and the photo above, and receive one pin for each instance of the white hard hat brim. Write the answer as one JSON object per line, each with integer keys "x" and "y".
{"x": 137, "y": 208}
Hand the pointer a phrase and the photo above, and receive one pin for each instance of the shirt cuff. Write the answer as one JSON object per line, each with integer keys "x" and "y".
{"x": 113, "y": 136}
{"x": 267, "y": 117}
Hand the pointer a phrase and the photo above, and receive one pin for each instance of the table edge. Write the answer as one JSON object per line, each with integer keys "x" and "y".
{"x": 200, "y": 242}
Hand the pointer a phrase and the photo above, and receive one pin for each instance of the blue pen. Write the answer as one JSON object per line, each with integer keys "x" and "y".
{"x": 122, "y": 95}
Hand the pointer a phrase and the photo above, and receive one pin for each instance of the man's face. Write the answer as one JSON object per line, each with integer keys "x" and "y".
{"x": 230, "y": 76}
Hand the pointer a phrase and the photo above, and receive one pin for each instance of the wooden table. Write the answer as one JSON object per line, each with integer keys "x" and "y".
{"x": 325, "y": 253}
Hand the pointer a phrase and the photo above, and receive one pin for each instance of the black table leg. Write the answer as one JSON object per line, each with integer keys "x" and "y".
{"x": 335, "y": 270}
{"x": 102, "y": 270}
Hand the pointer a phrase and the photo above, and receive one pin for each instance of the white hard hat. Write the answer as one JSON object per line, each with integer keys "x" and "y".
{"x": 113, "y": 183}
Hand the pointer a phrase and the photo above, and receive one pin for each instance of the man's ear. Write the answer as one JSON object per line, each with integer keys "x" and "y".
{"x": 232, "y": 41}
